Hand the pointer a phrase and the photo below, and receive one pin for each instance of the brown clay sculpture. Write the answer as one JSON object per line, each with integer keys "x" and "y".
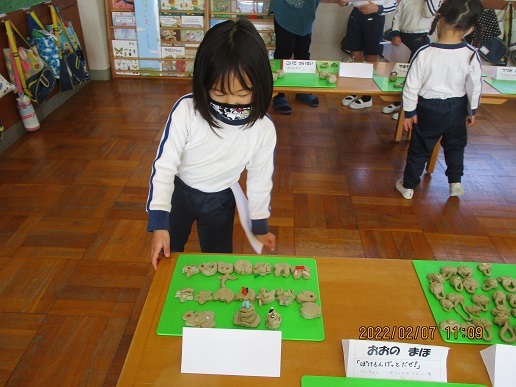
{"x": 285, "y": 297}
{"x": 465, "y": 271}
{"x": 205, "y": 319}
{"x": 447, "y": 272}
{"x": 243, "y": 267}
{"x": 490, "y": 284}
{"x": 470, "y": 285}
{"x": 272, "y": 320}
{"x": 481, "y": 300}
{"x": 508, "y": 283}
{"x": 456, "y": 282}
{"x": 485, "y": 268}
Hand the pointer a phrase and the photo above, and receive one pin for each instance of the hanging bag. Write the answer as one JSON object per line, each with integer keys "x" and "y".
{"x": 45, "y": 42}
{"x": 66, "y": 78}
{"x": 36, "y": 78}
{"x": 5, "y": 86}
{"x": 72, "y": 59}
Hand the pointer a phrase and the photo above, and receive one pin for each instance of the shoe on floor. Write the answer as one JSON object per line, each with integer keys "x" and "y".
{"x": 395, "y": 116}
{"x": 350, "y": 98}
{"x": 359, "y": 104}
{"x": 407, "y": 193}
{"x": 456, "y": 189}
{"x": 391, "y": 109}
{"x": 281, "y": 105}
{"x": 309, "y": 99}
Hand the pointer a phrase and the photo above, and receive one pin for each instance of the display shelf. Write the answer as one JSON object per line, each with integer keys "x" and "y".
{"x": 161, "y": 39}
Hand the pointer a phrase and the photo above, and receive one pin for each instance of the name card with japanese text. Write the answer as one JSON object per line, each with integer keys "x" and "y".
{"x": 391, "y": 360}
{"x": 401, "y": 69}
{"x": 299, "y": 66}
{"x": 356, "y": 70}
{"x": 505, "y": 74}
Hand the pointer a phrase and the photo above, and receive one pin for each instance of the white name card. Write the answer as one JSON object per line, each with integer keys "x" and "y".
{"x": 172, "y": 52}
{"x": 390, "y": 360}
{"x": 231, "y": 352}
{"x": 401, "y": 69}
{"x": 192, "y": 21}
{"x": 505, "y": 73}
{"x": 299, "y": 66}
{"x": 500, "y": 360}
{"x": 356, "y": 70}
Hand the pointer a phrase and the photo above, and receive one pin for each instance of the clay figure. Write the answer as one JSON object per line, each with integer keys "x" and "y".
{"x": 300, "y": 271}
{"x": 224, "y": 294}
{"x": 310, "y": 310}
{"x": 398, "y": 85}
{"x": 272, "y": 320}
{"x": 324, "y": 64}
{"x": 456, "y": 282}
{"x": 208, "y": 268}
{"x": 437, "y": 289}
{"x": 274, "y": 76}
{"x": 203, "y": 296}
{"x": 243, "y": 267}
{"x": 261, "y": 269}
{"x": 285, "y": 297}
{"x": 393, "y": 76}
{"x": 470, "y": 285}
{"x": 186, "y": 294}
{"x": 473, "y": 310}
{"x": 245, "y": 294}
{"x": 480, "y": 300}
{"x": 323, "y": 74}
{"x": 246, "y": 316}
{"x": 458, "y": 305}
{"x": 281, "y": 268}
{"x": 506, "y": 333}
{"x": 486, "y": 325}
{"x": 512, "y": 300}
{"x": 465, "y": 271}
{"x": 205, "y": 319}
{"x": 485, "y": 268}
{"x": 190, "y": 270}
{"x": 508, "y": 283}
{"x": 306, "y": 296}
{"x": 332, "y": 78}
{"x": 489, "y": 284}
{"x": 446, "y": 304}
{"x": 225, "y": 267}
{"x": 499, "y": 298}
{"x": 265, "y": 297}
{"x": 447, "y": 272}
{"x": 435, "y": 277}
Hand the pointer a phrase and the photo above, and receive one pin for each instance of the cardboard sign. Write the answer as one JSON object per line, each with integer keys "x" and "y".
{"x": 401, "y": 69}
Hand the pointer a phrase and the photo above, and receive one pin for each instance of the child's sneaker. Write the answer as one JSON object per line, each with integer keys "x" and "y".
{"x": 407, "y": 193}
{"x": 456, "y": 189}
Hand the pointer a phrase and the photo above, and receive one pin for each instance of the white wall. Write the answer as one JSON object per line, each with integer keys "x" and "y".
{"x": 93, "y": 21}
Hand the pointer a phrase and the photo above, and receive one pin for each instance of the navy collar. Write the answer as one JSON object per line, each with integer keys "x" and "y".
{"x": 449, "y": 46}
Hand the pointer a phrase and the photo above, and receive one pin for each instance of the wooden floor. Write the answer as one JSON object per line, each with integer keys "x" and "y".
{"x": 74, "y": 254}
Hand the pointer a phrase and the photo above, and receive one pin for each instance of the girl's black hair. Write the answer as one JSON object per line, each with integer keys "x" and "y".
{"x": 232, "y": 49}
{"x": 461, "y": 15}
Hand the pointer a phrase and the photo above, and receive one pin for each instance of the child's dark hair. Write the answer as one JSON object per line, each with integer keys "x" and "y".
{"x": 232, "y": 49}
{"x": 461, "y": 15}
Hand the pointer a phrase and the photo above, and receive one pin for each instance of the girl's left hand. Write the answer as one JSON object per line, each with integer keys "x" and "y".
{"x": 409, "y": 122}
{"x": 470, "y": 120}
{"x": 368, "y": 8}
{"x": 269, "y": 240}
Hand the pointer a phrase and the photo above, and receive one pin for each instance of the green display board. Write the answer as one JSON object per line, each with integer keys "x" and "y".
{"x": 14, "y": 5}
{"x": 468, "y": 337}
{"x": 293, "y": 325}
{"x": 303, "y": 80}
{"x": 504, "y": 87}
{"x": 385, "y": 85}
{"x": 334, "y": 381}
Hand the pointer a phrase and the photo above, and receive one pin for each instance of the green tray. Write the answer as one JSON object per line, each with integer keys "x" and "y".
{"x": 332, "y": 67}
{"x": 504, "y": 87}
{"x": 293, "y": 325}
{"x": 424, "y": 267}
{"x": 334, "y": 381}
{"x": 303, "y": 80}
{"x": 385, "y": 85}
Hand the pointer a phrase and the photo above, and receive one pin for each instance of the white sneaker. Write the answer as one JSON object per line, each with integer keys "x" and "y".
{"x": 395, "y": 116}
{"x": 456, "y": 189}
{"x": 359, "y": 104}
{"x": 407, "y": 193}
{"x": 350, "y": 98}
{"x": 391, "y": 109}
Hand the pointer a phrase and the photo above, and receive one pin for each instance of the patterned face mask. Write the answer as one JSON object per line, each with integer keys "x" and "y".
{"x": 231, "y": 114}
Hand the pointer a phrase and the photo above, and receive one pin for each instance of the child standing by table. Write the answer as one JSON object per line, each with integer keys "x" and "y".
{"x": 441, "y": 95}
{"x": 210, "y": 136}
{"x": 363, "y": 36}
{"x": 410, "y": 26}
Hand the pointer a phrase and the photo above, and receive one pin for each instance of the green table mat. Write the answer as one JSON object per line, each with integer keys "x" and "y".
{"x": 504, "y": 87}
{"x": 385, "y": 85}
{"x": 303, "y": 80}
{"x": 425, "y": 267}
{"x": 334, "y": 381}
{"x": 293, "y": 325}
{"x": 275, "y": 64}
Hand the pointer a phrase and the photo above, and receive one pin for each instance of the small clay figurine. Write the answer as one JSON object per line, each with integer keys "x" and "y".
{"x": 486, "y": 325}
{"x": 205, "y": 319}
{"x": 225, "y": 267}
{"x": 446, "y": 304}
{"x": 300, "y": 271}
{"x": 310, "y": 310}
{"x": 208, "y": 268}
{"x": 508, "y": 283}
{"x": 190, "y": 270}
{"x": 245, "y": 294}
{"x": 285, "y": 297}
{"x": 203, "y": 296}
{"x": 274, "y": 77}
{"x": 393, "y": 76}
{"x": 465, "y": 271}
{"x": 224, "y": 294}
{"x": 246, "y": 316}
{"x": 490, "y": 284}
{"x": 261, "y": 269}
{"x": 512, "y": 300}
{"x": 243, "y": 266}
{"x": 435, "y": 277}
{"x": 447, "y": 272}
{"x": 458, "y": 305}
{"x": 470, "y": 285}
{"x": 332, "y": 78}
{"x": 306, "y": 296}
{"x": 499, "y": 298}
{"x": 456, "y": 282}
{"x": 324, "y": 64}
{"x": 473, "y": 310}
{"x": 272, "y": 320}
{"x": 484, "y": 268}
{"x": 398, "y": 85}
{"x": 480, "y": 300}
{"x": 437, "y": 289}
{"x": 265, "y": 296}
{"x": 323, "y": 74}
{"x": 186, "y": 294}
{"x": 281, "y": 268}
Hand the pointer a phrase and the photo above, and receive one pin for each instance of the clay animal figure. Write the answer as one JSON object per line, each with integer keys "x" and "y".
{"x": 190, "y": 270}
{"x": 245, "y": 294}
{"x": 225, "y": 267}
{"x": 512, "y": 300}
{"x": 224, "y": 294}
{"x": 281, "y": 268}
{"x": 486, "y": 325}
{"x": 456, "y": 282}
{"x": 285, "y": 297}
{"x": 465, "y": 271}
{"x": 246, "y": 316}
{"x": 447, "y": 272}
{"x": 435, "y": 277}
{"x": 185, "y": 294}
{"x": 490, "y": 284}
{"x": 499, "y": 298}
{"x": 446, "y": 304}
{"x": 310, "y": 310}
{"x": 205, "y": 319}
{"x": 265, "y": 296}
{"x": 458, "y": 305}
{"x": 485, "y": 268}
{"x": 273, "y": 319}
{"x": 508, "y": 283}
{"x": 261, "y": 269}
{"x": 306, "y": 296}
{"x": 300, "y": 271}
{"x": 481, "y": 300}
{"x": 243, "y": 266}
{"x": 470, "y": 285}
{"x": 203, "y": 296}
{"x": 437, "y": 289}
{"x": 208, "y": 268}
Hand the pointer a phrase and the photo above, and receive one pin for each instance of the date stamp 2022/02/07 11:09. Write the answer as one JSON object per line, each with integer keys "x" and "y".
{"x": 396, "y": 332}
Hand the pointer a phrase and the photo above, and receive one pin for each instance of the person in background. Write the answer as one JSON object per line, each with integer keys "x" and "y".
{"x": 293, "y": 22}
{"x": 364, "y": 33}
{"x": 209, "y": 138}
{"x": 441, "y": 95}
{"x": 410, "y": 26}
